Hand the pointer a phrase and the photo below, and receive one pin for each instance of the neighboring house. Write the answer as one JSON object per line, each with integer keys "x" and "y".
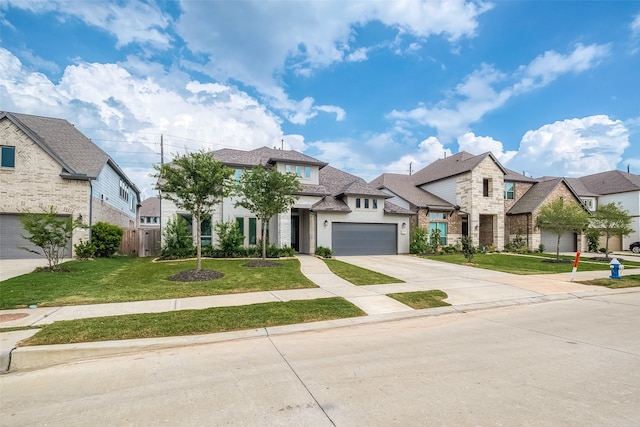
{"x": 48, "y": 162}
{"x": 334, "y": 209}
{"x": 474, "y": 195}
{"x": 150, "y": 213}
{"x": 612, "y": 187}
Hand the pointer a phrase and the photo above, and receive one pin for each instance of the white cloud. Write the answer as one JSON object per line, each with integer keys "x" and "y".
{"x": 481, "y": 144}
{"x": 131, "y": 22}
{"x": 125, "y": 114}
{"x": 487, "y": 89}
{"x": 635, "y": 26}
{"x": 429, "y": 150}
{"x": 339, "y": 112}
{"x": 573, "y": 147}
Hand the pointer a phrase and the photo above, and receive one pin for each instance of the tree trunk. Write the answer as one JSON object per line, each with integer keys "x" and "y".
{"x": 264, "y": 241}
{"x": 558, "y": 249}
{"x": 199, "y": 243}
{"x": 606, "y": 246}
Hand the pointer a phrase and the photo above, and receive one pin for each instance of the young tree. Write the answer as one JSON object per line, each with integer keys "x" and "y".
{"x": 194, "y": 182}
{"x": 266, "y": 192}
{"x": 610, "y": 220}
{"x": 49, "y": 232}
{"x": 559, "y": 217}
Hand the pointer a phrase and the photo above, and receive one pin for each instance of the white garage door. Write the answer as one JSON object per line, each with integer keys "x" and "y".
{"x": 11, "y": 240}
{"x": 550, "y": 241}
{"x": 364, "y": 239}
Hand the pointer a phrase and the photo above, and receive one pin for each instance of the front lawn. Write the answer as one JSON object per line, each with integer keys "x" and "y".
{"x": 357, "y": 275}
{"x": 523, "y": 264}
{"x": 122, "y": 279}
{"x": 193, "y": 322}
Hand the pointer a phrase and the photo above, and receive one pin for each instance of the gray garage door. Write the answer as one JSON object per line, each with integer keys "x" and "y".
{"x": 364, "y": 239}
{"x": 11, "y": 240}
{"x": 568, "y": 242}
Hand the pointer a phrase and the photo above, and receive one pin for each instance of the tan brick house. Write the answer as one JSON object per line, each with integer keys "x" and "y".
{"x": 47, "y": 162}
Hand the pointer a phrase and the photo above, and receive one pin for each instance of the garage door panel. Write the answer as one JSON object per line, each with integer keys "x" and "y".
{"x": 550, "y": 241}
{"x": 364, "y": 239}
{"x": 11, "y": 240}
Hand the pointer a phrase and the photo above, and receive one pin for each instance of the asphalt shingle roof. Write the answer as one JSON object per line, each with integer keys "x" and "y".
{"x": 611, "y": 182}
{"x": 457, "y": 164}
{"x": 150, "y": 207}
{"x": 264, "y": 156}
{"x": 403, "y": 186}
{"x": 78, "y": 156}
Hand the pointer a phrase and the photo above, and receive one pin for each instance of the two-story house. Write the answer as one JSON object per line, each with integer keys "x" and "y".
{"x": 474, "y": 195}
{"x": 334, "y": 209}
{"x": 48, "y": 162}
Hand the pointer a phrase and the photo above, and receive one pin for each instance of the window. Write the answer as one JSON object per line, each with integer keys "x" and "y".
{"x": 288, "y": 168}
{"x": 437, "y": 215}
{"x": 299, "y": 171}
{"x": 509, "y": 191}
{"x": 252, "y": 231}
{"x": 8, "y": 157}
{"x": 307, "y": 172}
{"x": 442, "y": 226}
{"x": 155, "y": 219}
{"x": 358, "y": 202}
{"x": 124, "y": 190}
{"x": 238, "y": 174}
{"x": 240, "y": 224}
{"x": 366, "y": 203}
{"x": 205, "y": 232}
{"x": 375, "y": 203}
{"x": 485, "y": 187}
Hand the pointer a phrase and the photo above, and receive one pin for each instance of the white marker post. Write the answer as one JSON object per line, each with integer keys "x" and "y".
{"x": 575, "y": 265}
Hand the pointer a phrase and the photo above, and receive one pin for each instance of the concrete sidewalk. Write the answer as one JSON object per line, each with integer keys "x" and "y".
{"x": 468, "y": 289}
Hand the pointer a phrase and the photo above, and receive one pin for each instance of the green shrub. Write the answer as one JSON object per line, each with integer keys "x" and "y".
{"x": 230, "y": 238}
{"x": 324, "y": 252}
{"x": 541, "y": 247}
{"x": 419, "y": 244}
{"x": 85, "y": 250}
{"x": 286, "y": 251}
{"x": 106, "y": 238}
{"x": 178, "y": 241}
{"x": 468, "y": 250}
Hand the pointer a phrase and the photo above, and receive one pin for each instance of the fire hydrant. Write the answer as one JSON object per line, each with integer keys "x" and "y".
{"x": 616, "y": 268}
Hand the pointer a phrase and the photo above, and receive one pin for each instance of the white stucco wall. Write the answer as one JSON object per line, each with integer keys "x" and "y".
{"x": 631, "y": 202}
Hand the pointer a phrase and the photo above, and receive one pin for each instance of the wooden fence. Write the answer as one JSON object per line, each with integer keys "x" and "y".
{"x": 140, "y": 242}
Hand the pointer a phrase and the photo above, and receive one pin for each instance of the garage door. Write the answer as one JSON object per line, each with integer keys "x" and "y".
{"x": 550, "y": 242}
{"x": 11, "y": 240}
{"x": 364, "y": 239}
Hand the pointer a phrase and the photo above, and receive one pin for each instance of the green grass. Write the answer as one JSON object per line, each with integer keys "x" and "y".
{"x": 529, "y": 264}
{"x": 122, "y": 279}
{"x": 630, "y": 281}
{"x": 193, "y": 322}
{"x": 357, "y": 275}
{"x": 421, "y": 299}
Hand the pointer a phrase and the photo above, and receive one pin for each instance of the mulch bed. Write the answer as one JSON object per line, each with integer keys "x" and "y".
{"x": 261, "y": 263}
{"x": 558, "y": 261}
{"x": 196, "y": 276}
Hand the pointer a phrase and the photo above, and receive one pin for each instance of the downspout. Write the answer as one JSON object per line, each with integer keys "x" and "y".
{"x": 90, "y": 208}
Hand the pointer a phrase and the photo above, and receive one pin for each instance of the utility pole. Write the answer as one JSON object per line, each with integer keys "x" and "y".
{"x": 410, "y": 169}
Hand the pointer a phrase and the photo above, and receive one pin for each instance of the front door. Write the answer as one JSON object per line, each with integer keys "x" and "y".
{"x": 295, "y": 227}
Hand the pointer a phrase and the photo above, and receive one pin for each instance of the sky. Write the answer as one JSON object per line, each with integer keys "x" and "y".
{"x": 551, "y": 88}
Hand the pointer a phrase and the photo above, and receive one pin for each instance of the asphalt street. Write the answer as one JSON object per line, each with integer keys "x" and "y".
{"x": 562, "y": 363}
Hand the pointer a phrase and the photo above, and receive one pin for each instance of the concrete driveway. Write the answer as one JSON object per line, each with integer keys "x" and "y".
{"x": 466, "y": 285}
{"x": 16, "y": 267}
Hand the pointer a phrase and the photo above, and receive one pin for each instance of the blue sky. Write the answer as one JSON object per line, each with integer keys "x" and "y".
{"x": 550, "y": 87}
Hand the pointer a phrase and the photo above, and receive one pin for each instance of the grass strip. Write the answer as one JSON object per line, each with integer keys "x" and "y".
{"x": 518, "y": 264}
{"x": 422, "y": 299}
{"x": 630, "y": 281}
{"x": 124, "y": 279}
{"x": 358, "y": 275}
{"x": 193, "y": 322}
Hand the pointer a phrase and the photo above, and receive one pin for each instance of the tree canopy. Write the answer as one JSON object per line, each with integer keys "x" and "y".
{"x": 611, "y": 220}
{"x": 559, "y": 217}
{"x": 195, "y": 182}
{"x": 266, "y": 192}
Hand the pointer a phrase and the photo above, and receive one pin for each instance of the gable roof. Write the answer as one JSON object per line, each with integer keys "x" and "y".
{"x": 537, "y": 194}
{"x": 264, "y": 156}
{"x": 611, "y": 182}
{"x": 514, "y": 176}
{"x": 457, "y": 164}
{"x": 78, "y": 156}
{"x": 150, "y": 207}
{"x": 404, "y": 187}
{"x": 580, "y": 188}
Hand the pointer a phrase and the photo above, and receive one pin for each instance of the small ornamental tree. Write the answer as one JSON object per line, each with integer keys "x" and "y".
{"x": 195, "y": 182}
{"x": 50, "y": 232}
{"x": 559, "y": 217}
{"x": 610, "y": 220}
{"x": 266, "y": 192}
